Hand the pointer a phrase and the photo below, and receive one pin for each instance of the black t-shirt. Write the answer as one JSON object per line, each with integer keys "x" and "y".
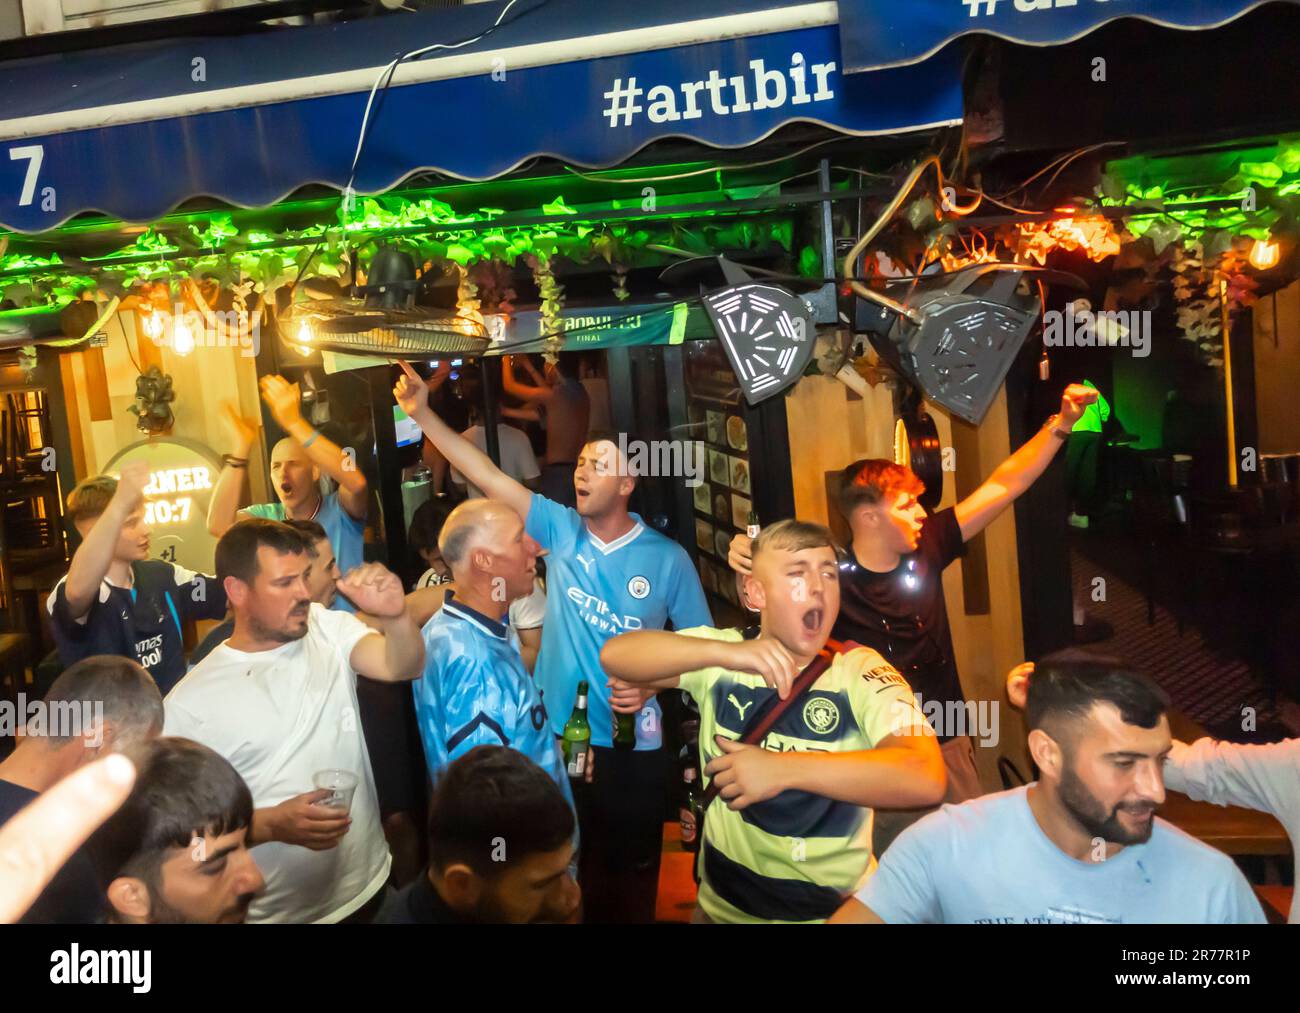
{"x": 217, "y": 636}
{"x": 142, "y": 622}
{"x": 417, "y": 903}
{"x": 902, "y": 613}
{"x": 74, "y": 896}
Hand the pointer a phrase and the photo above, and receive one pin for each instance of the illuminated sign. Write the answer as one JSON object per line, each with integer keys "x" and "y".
{"x": 177, "y": 509}
{"x": 181, "y": 476}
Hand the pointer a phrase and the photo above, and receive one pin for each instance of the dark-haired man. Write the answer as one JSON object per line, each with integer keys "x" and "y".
{"x": 322, "y": 584}
{"x": 607, "y": 573}
{"x": 177, "y": 850}
{"x": 279, "y": 700}
{"x": 500, "y": 847}
{"x": 1082, "y": 844}
{"x": 789, "y": 836}
{"x": 563, "y": 398}
{"x": 115, "y": 599}
{"x": 892, "y": 578}
{"x": 97, "y": 706}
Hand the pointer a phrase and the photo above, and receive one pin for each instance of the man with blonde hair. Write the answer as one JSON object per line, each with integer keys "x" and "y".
{"x": 789, "y": 835}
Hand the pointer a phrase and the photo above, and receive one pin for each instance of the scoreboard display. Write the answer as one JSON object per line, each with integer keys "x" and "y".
{"x": 182, "y": 474}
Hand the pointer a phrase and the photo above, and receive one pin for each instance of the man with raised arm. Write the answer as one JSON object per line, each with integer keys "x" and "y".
{"x": 115, "y": 599}
{"x": 789, "y": 835}
{"x": 568, "y": 410}
{"x": 297, "y": 462}
{"x": 891, "y": 579}
{"x": 607, "y": 573}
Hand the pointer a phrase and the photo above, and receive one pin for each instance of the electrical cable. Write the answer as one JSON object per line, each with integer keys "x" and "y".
{"x": 701, "y": 172}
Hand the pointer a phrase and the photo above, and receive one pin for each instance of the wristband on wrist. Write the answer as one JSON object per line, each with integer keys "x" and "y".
{"x": 1054, "y": 424}
{"x": 310, "y": 439}
{"x": 234, "y": 462}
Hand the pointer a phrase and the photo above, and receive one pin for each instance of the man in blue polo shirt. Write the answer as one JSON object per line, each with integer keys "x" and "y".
{"x": 607, "y": 574}
{"x": 475, "y": 689}
{"x": 297, "y": 462}
{"x": 115, "y": 599}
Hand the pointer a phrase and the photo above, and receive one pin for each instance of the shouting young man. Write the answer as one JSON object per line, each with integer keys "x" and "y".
{"x": 891, "y": 581}
{"x": 607, "y": 573}
{"x": 789, "y": 836}
{"x": 297, "y": 463}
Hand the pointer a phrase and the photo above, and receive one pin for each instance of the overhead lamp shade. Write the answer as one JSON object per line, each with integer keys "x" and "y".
{"x": 768, "y": 334}
{"x": 970, "y": 327}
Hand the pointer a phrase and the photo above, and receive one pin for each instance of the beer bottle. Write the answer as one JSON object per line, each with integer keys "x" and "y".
{"x": 624, "y": 731}
{"x": 751, "y": 529}
{"x": 577, "y": 737}
{"x": 690, "y": 813}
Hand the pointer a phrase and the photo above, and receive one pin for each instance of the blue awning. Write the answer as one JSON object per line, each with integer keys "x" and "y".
{"x": 877, "y": 34}
{"x": 134, "y": 131}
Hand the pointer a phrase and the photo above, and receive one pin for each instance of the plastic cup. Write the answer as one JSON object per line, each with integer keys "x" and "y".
{"x": 341, "y": 784}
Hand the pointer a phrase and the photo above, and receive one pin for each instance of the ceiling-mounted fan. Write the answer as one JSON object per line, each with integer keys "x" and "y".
{"x": 380, "y": 318}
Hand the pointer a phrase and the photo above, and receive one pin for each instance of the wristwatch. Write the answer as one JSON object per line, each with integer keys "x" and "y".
{"x": 1054, "y": 424}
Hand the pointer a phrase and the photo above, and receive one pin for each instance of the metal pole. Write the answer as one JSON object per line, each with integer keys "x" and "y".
{"x": 491, "y": 406}
{"x": 1225, "y": 326}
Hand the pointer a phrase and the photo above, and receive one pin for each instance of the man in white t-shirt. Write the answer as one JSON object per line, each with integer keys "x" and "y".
{"x": 517, "y": 457}
{"x": 279, "y": 701}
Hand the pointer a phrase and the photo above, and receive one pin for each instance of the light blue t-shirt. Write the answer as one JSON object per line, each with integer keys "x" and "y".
{"x": 476, "y": 692}
{"x": 345, "y": 532}
{"x": 988, "y": 861}
{"x": 596, "y": 590}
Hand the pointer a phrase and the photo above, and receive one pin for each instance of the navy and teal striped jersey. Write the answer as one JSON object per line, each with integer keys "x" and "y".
{"x": 596, "y": 590}
{"x": 476, "y": 692}
{"x": 795, "y": 857}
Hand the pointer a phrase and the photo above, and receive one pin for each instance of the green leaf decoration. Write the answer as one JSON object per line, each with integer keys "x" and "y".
{"x": 558, "y": 207}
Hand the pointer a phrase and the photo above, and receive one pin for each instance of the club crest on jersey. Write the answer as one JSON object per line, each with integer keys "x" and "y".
{"x": 821, "y": 715}
{"x": 638, "y": 587}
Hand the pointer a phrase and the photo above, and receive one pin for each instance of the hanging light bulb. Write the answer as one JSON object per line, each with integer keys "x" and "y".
{"x": 152, "y": 325}
{"x": 304, "y": 339}
{"x": 1264, "y": 254}
{"x": 182, "y": 337}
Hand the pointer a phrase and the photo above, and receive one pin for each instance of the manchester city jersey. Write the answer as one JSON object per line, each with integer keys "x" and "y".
{"x": 476, "y": 692}
{"x": 795, "y": 857}
{"x": 596, "y": 590}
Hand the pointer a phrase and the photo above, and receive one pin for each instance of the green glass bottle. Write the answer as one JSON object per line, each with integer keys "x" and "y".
{"x": 624, "y": 731}
{"x": 577, "y": 737}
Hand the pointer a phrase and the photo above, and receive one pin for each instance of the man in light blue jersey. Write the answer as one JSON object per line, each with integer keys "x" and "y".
{"x": 607, "y": 574}
{"x": 1082, "y": 844}
{"x": 475, "y": 690}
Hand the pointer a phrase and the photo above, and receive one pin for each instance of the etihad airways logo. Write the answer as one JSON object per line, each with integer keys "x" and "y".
{"x": 597, "y": 613}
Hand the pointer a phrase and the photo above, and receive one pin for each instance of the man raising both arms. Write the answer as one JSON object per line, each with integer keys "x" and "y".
{"x": 296, "y": 465}
{"x": 891, "y": 582}
{"x": 567, "y": 408}
{"x": 608, "y": 573}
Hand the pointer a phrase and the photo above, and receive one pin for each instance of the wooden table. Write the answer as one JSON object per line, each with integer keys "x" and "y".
{"x": 1231, "y": 829}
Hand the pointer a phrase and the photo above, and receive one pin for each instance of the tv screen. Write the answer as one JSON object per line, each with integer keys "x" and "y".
{"x": 408, "y": 431}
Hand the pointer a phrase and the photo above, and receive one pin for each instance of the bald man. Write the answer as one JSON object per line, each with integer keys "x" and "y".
{"x": 475, "y": 689}
{"x": 297, "y": 462}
